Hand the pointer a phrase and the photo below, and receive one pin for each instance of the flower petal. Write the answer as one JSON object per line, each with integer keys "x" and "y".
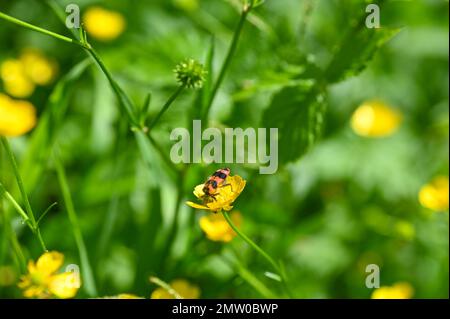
{"x": 198, "y": 191}
{"x": 49, "y": 262}
{"x": 65, "y": 285}
{"x": 198, "y": 206}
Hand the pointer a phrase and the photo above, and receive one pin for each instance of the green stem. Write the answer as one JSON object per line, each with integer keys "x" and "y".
{"x": 86, "y": 268}
{"x": 166, "y": 106}
{"x": 13, "y": 202}
{"x": 229, "y": 57}
{"x": 166, "y": 287}
{"x": 248, "y": 276}
{"x": 123, "y": 99}
{"x": 275, "y": 265}
{"x": 251, "y": 243}
{"x": 28, "y": 209}
{"x": 38, "y": 29}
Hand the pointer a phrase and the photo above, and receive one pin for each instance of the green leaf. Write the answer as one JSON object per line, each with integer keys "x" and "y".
{"x": 355, "y": 52}
{"x": 35, "y": 158}
{"x": 297, "y": 112}
{"x": 46, "y": 212}
{"x": 144, "y": 111}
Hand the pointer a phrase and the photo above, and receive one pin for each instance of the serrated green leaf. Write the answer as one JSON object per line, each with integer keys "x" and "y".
{"x": 297, "y": 112}
{"x": 356, "y": 51}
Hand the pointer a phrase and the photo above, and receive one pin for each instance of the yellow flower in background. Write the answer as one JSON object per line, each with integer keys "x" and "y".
{"x": 434, "y": 195}
{"x": 102, "y": 24}
{"x": 15, "y": 80}
{"x": 16, "y": 117}
{"x": 217, "y": 228}
{"x": 122, "y": 296}
{"x": 401, "y": 290}
{"x": 37, "y": 67}
{"x": 226, "y": 195}
{"x": 375, "y": 119}
{"x": 42, "y": 281}
{"x": 182, "y": 287}
{"x": 7, "y": 276}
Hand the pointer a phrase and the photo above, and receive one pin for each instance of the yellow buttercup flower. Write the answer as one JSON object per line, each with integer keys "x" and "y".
{"x": 15, "y": 80}
{"x": 226, "y": 195}
{"x": 434, "y": 195}
{"x": 102, "y": 24}
{"x": 401, "y": 290}
{"x": 16, "y": 117}
{"x": 217, "y": 228}
{"x": 181, "y": 287}
{"x": 375, "y": 119}
{"x": 42, "y": 281}
{"x": 37, "y": 67}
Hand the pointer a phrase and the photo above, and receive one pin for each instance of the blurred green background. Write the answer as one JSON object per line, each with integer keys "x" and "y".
{"x": 339, "y": 201}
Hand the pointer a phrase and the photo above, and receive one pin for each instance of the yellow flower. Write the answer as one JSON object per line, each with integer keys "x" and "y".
{"x": 434, "y": 195}
{"x": 102, "y": 24}
{"x": 37, "y": 67}
{"x": 122, "y": 296}
{"x": 16, "y": 117}
{"x": 375, "y": 119}
{"x": 43, "y": 282}
{"x": 226, "y": 195}
{"x": 401, "y": 290}
{"x": 182, "y": 287}
{"x": 15, "y": 80}
{"x": 216, "y": 227}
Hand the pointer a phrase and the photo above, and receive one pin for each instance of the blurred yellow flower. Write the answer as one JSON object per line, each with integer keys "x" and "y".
{"x": 122, "y": 296}
{"x": 375, "y": 119}
{"x": 401, "y": 290}
{"x": 434, "y": 195}
{"x": 37, "y": 67}
{"x": 182, "y": 287}
{"x": 43, "y": 282}
{"x": 7, "y": 276}
{"x": 226, "y": 195}
{"x": 102, "y": 24}
{"x": 15, "y": 80}
{"x": 216, "y": 227}
{"x": 16, "y": 117}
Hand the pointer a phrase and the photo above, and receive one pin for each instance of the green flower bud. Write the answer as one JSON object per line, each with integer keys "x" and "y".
{"x": 190, "y": 73}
